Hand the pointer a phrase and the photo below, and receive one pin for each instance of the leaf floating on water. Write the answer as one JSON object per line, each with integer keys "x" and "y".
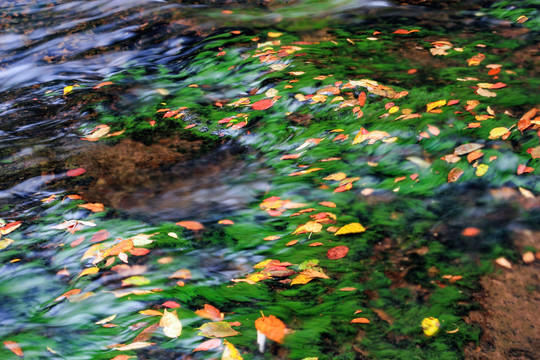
{"x": 210, "y": 312}
{"x": 208, "y": 345}
{"x": 172, "y": 327}
{"x": 230, "y": 352}
{"x": 106, "y": 320}
{"x": 68, "y": 89}
{"x": 467, "y": 148}
{"x": 191, "y": 225}
{"x": 93, "y": 207}
{"x": 352, "y": 228}
{"x": 14, "y": 347}
{"x": 262, "y": 104}
{"x": 481, "y": 170}
{"x": 135, "y": 345}
{"x": 454, "y": 174}
{"x": 67, "y": 294}
{"x": 9, "y": 227}
{"x": 497, "y": 132}
{"x": 217, "y": 329}
{"x": 75, "y": 172}
{"x": 272, "y": 327}
{"x": 89, "y": 271}
{"x": 4, "y": 243}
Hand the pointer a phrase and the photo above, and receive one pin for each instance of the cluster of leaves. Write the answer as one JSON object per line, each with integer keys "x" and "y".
{"x": 363, "y": 144}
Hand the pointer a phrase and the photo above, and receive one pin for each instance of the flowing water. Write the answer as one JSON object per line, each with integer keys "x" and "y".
{"x": 148, "y": 111}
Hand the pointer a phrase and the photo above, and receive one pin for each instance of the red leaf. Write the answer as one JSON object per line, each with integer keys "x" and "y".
{"x": 171, "y": 304}
{"x": 75, "y": 172}
{"x": 13, "y": 346}
{"x": 262, "y": 104}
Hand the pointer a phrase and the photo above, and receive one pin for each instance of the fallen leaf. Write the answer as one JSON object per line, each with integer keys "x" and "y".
{"x": 336, "y": 176}
{"x": 454, "y": 174}
{"x": 430, "y": 326}
{"x": 210, "y": 312}
{"x": 360, "y": 320}
{"x": 75, "y": 172}
{"x": 272, "y": 327}
{"x": 89, "y": 271}
{"x": 470, "y": 231}
{"x": 135, "y": 345}
{"x": 481, "y": 170}
{"x": 262, "y": 104}
{"x": 352, "y": 228}
{"x": 503, "y": 262}
{"x": 208, "y": 345}
{"x": 14, "y": 347}
{"x": 67, "y": 294}
{"x": 467, "y": 148}
{"x": 172, "y": 327}
{"x": 191, "y": 225}
{"x": 327, "y": 204}
{"x": 171, "y": 304}
{"x": 230, "y": 352}
{"x": 217, "y": 329}
{"x": 337, "y": 252}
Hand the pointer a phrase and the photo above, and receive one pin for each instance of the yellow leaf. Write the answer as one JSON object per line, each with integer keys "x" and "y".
{"x": 486, "y": 93}
{"x": 497, "y": 132}
{"x": 4, "y": 243}
{"x": 336, "y": 176}
{"x": 274, "y": 34}
{"x": 430, "y": 326}
{"x": 106, "y": 320}
{"x": 151, "y": 312}
{"x": 362, "y": 135}
{"x": 301, "y": 279}
{"x": 68, "y": 89}
{"x": 172, "y": 327}
{"x": 89, "y": 271}
{"x": 230, "y": 352}
{"x": 318, "y": 98}
{"x": 481, "y": 169}
{"x": 435, "y": 104}
{"x": 135, "y": 345}
{"x": 352, "y": 228}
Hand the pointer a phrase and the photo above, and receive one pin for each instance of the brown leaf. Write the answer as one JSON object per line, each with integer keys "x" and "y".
{"x": 146, "y": 334}
{"x": 337, "y": 252}
{"x": 467, "y": 148}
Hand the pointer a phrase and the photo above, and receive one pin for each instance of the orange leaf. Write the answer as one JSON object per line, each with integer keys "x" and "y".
{"x": 226, "y": 222}
{"x": 360, "y": 320}
{"x": 191, "y": 225}
{"x": 454, "y": 174}
{"x": 362, "y": 99}
{"x": 171, "y": 304}
{"x": 327, "y": 204}
{"x": 13, "y": 346}
{"x": 316, "y": 244}
{"x": 272, "y": 327}
{"x": 470, "y": 231}
{"x": 210, "y": 312}
{"x": 67, "y": 294}
{"x": 122, "y": 246}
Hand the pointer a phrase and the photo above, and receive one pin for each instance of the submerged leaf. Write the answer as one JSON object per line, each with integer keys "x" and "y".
{"x": 172, "y": 327}
{"x": 217, "y": 329}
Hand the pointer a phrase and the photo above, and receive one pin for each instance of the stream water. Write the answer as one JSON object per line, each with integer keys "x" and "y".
{"x": 170, "y": 122}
